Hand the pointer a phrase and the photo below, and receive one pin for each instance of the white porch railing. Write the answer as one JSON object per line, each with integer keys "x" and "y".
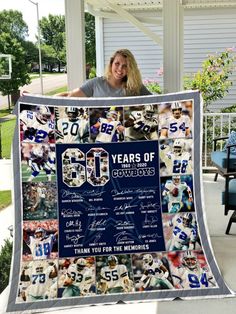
{"x": 215, "y": 125}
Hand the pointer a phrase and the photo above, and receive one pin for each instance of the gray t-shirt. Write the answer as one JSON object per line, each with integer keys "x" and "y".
{"x": 98, "y": 87}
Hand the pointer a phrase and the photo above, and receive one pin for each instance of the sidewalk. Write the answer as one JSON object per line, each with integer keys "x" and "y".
{"x": 6, "y": 118}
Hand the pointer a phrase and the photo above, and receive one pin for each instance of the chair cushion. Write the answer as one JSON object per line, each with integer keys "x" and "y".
{"x": 231, "y": 141}
{"x": 219, "y": 158}
{"x": 232, "y": 193}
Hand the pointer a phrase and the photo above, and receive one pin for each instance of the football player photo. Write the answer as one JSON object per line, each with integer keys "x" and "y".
{"x": 141, "y": 123}
{"x": 190, "y": 270}
{"x": 176, "y": 125}
{"x": 39, "y": 200}
{"x": 114, "y": 274}
{"x": 72, "y": 125}
{"x": 181, "y": 231}
{"x": 38, "y": 162}
{"x": 106, "y": 125}
{"x": 177, "y": 194}
{"x": 38, "y": 281}
{"x": 151, "y": 272}
{"x": 36, "y": 124}
{"x": 175, "y": 157}
{"x": 40, "y": 239}
{"x": 76, "y": 277}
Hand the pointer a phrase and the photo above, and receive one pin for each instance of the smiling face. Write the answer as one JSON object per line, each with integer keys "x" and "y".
{"x": 119, "y": 68}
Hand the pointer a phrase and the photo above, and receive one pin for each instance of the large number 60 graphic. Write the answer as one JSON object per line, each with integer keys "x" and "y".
{"x": 76, "y": 168}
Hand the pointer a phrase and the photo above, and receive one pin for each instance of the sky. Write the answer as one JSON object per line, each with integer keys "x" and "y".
{"x": 29, "y": 11}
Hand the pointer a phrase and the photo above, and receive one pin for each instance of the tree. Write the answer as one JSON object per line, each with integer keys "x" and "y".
{"x": 31, "y": 53}
{"x": 12, "y": 23}
{"x": 90, "y": 48}
{"x": 5, "y": 264}
{"x": 13, "y": 31}
{"x": 53, "y": 34}
{"x": 19, "y": 76}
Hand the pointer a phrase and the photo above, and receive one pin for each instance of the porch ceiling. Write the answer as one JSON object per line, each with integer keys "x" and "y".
{"x": 150, "y": 5}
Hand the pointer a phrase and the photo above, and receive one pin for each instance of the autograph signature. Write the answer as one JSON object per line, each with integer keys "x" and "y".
{"x": 149, "y": 236}
{"x": 74, "y": 239}
{"x": 149, "y": 205}
{"x": 74, "y": 223}
{"x": 70, "y": 212}
{"x": 150, "y": 221}
{"x": 71, "y": 195}
{"x": 133, "y": 191}
{"x": 124, "y": 207}
{"x": 123, "y": 236}
{"x": 97, "y": 223}
{"x": 92, "y": 193}
{"x": 121, "y": 223}
{"x": 92, "y": 208}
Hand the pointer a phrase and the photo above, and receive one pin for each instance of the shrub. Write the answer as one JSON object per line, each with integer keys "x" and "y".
{"x": 213, "y": 80}
{"x": 153, "y": 86}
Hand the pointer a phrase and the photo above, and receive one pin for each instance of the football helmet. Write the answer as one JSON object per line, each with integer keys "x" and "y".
{"x": 190, "y": 260}
{"x": 43, "y": 114}
{"x": 112, "y": 260}
{"x": 72, "y": 113}
{"x": 147, "y": 259}
{"x": 178, "y": 147}
{"x": 80, "y": 264}
{"x": 176, "y": 108}
{"x": 148, "y": 112}
{"x": 39, "y": 233}
{"x": 187, "y": 219}
{"x": 112, "y": 114}
{"x": 38, "y": 267}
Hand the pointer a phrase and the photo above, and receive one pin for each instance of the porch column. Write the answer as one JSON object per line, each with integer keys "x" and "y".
{"x": 75, "y": 43}
{"x": 173, "y": 45}
{"x": 99, "y": 46}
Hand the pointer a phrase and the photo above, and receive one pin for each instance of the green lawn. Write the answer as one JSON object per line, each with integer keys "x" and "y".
{"x": 7, "y": 131}
{"x": 58, "y": 90}
{"x": 5, "y": 112}
{"x": 5, "y": 199}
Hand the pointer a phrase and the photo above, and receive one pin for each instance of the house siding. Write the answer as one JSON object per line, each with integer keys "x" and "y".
{"x": 206, "y": 31}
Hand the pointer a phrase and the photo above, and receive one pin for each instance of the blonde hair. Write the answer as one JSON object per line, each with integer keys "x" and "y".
{"x": 132, "y": 83}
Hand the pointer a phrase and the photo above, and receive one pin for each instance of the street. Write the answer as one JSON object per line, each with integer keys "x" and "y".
{"x": 50, "y": 82}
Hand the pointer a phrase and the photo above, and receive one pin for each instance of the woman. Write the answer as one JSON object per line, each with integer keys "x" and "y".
{"x": 122, "y": 78}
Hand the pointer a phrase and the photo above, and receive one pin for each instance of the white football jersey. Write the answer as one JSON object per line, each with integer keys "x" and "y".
{"x": 107, "y": 130}
{"x": 114, "y": 277}
{"x": 182, "y": 235}
{"x": 192, "y": 279}
{"x": 41, "y": 192}
{"x": 170, "y": 186}
{"x": 41, "y": 248}
{"x": 39, "y": 280}
{"x": 72, "y": 131}
{"x": 83, "y": 278}
{"x": 142, "y": 128}
{"x": 176, "y": 164}
{"x": 29, "y": 120}
{"x": 154, "y": 270}
{"x": 176, "y": 128}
